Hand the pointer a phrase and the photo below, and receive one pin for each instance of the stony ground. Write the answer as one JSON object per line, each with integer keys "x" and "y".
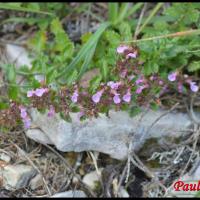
{"x": 31, "y": 169}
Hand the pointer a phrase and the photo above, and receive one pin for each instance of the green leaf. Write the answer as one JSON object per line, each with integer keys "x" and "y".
{"x": 94, "y": 83}
{"x": 125, "y": 31}
{"x": 11, "y": 74}
{"x": 38, "y": 42}
{"x": 13, "y": 92}
{"x": 134, "y": 111}
{"x": 113, "y": 12}
{"x": 104, "y": 70}
{"x": 3, "y": 105}
{"x": 194, "y": 66}
{"x": 133, "y": 9}
{"x": 123, "y": 12}
{"x": 86, "y": 53}
{"x": 17, "y": 7}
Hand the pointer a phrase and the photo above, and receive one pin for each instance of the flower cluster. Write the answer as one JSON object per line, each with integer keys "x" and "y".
{"x": 174, "y": 76}
{"x": 130, "y": 85}
{"x": 38, "y": 92}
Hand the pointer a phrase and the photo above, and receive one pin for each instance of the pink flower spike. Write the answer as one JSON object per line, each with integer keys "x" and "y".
{"x": 30, "y": 93}
{"x": 116, "y": 99}
{"x": 172, "y": 76}
{"x": 131, "y": 55}
{"x": 40, "y": 91}
{"x": 121, "y": 49}
{"x": 51, "y": 112}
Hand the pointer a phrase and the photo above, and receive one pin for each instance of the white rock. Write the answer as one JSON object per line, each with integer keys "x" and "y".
{"x": 123, "y": 193}
{"x": 92, "y": 178}
{"x": 5, "y": 157}
{"x": 16, "y": 176}
{"x": 36, "y": 182}
{"x": 19, "y": 56}
{"x": 107, "y": 135}
{"x": 71, "y": 193}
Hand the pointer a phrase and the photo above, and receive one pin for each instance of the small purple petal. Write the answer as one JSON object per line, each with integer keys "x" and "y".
{"x": 74, "y": 97}
{"x": 23, "y": 114}
{"x": 161, "y": 82}
{"x": 114, "y": 85}
{"x": 194, "y": 87}
{"x": 40, "y": 91}
{"x": 51, "y": 112}
{"x": 138, "y": 81}
{"x": 96, "y": 97}
{"x": 139, "y": 90}
{"x": 172, "y": 76}
{"x": 116, "y": 99}
{"x": 30, "y": 93}
{"x": 121, "y": 49}
{"x": 131, "y": 55}
{"x": 27, "y": 123}
{"x": 127, "y": 97}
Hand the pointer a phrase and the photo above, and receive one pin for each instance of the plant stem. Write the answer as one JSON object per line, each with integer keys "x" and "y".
{"x": 154, "y": 11}
{"x": 177, "y": 34}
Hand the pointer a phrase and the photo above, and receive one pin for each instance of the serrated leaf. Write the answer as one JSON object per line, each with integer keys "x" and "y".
{"x": 194, "y": 66}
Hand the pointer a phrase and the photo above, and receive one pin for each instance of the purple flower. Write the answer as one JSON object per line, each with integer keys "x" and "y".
{"x": 127, "y": 97}
{"x": 116, "y": 99}
{"x": 160, "y": 82}
{"x": 74, "y": 97}
{"x": 131, "y": 55}
{"x": 172, "y": 76}
{"x": 27, "y": 122}
{"x": 139, "y": 90}
{"x": 114, "y": 85}
{"x": 30, "y": 93}
{"x": 51, "y": 112}
{"x": 40, "y": 91}
{"x": 194, "y": 87}
{"x": 140, "y": 80}
{"x": 96, "y": 97}
{"x": 122, "y": 48}
{"x": 23, "y": 112}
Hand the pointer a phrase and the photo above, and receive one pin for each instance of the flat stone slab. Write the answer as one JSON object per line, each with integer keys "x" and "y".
{"x": 107, "y": 135}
